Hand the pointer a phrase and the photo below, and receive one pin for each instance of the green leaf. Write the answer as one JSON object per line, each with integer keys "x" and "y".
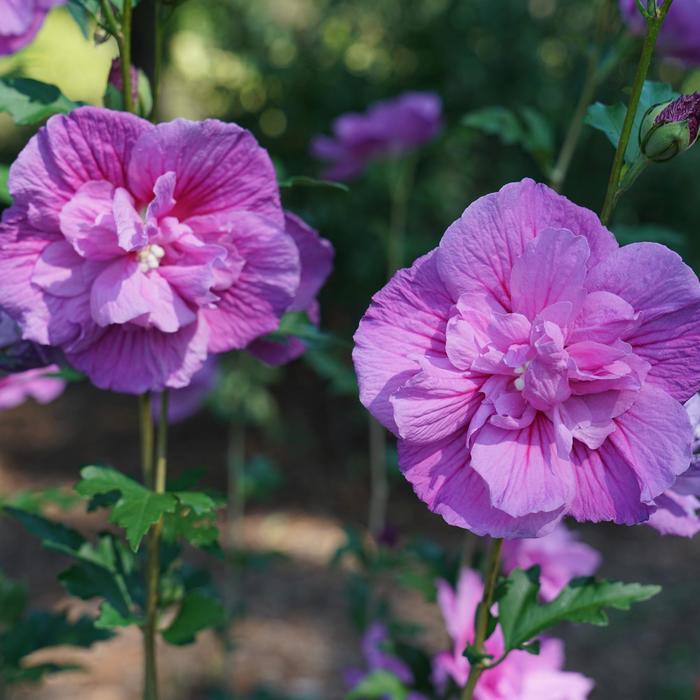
{"x": 497, "y": 121}
{"x": 379, "y": 684}
{"x": 82, "y": 15}
{"x": 198, "y": 611}
{"x": 522, "y": 617}
{"x": 610, "y": 118}
{"x": 137, "y": 509}
{"x": 13, "y": 600}
{"x": 54, "y": 536}
{"x": 5, "y": 197}
{"x": 109, "y": 618}
{"x": 306, "y": 181}
{"x": 29, "y": 101}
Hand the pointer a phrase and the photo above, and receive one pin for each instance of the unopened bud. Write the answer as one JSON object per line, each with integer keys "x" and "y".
{"x": 670, "y": 128}
{"x": 140, "y": 89}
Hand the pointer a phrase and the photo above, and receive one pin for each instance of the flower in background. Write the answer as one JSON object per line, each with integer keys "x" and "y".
{"x": 532, "y": 368}
{"x": 388, "y": 128}
{"x": 678, "y": 510}
{"x": 188, "y": 401}
{"x": 559, "y": 555}
{"x": 20, "y": 22}
{"x": 141, "y": 249}
{"x": 25, "y": 368}
{"x": 521, "y": 676}
{"x": 680, "y": 35}
{"x": 37, "y": 384}
{"x": 316, "y": 259}
{"x": 378, "y": 657}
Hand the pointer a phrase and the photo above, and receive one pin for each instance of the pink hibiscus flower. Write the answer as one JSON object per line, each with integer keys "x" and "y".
{"x": 140, "y": 249}
{"x": 680, "y": 35}
{"x": 21, "y": 20}
{"x": 678, "y": 510}
{"x": 35, "y": 384}
{"x": 521, "y": 676}
{"x": 559, "y": 555}
{"x": 531, "y": 368}
{"x": 389, "y": 128}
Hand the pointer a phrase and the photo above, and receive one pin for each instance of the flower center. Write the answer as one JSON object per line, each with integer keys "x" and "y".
{"x": 519, "y": 382}
{"x": 150, "y": 256}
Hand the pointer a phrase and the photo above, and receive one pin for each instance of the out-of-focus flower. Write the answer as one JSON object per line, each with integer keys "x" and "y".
{"x": 36, "y": 384}
{"x": 670, "y": 128}
{"x": 186, "y": 402}
{"x": 20, "y": 22}
{"x": 678, "y": 510}
{"x": 680, "y": 35}
{"x": 379, "y": 658}
{"x": 521, "y": 676}
{"x": 531, "y": 368}
{"x": 141, "y": 249}
{"x": 316, "y": 259}
{"x": 388, "y": 128}
{"x": 559, "y": 555}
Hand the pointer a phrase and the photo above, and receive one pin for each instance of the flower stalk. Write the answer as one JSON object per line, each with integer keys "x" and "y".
{"x": 654, "y": 22}
{"x": 150, "y": 628}
{"x": 482, "y": 616}
{"x": 121, "y": 31}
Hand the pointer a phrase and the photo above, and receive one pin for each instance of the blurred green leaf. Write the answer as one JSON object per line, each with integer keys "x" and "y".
{"x": 137, "y": 509}
{"x": 13, "y": 600}
{"x": 522, "y": 617}
{"x": 198, "y": 612}
{"x": 54, "y": 536}
{"x": 5, "y": 197}
{"x": 654, "y": 233}
{"x": 305, "y": 181}
{"x": 379, "y": 684}
{"x": 29, "y": 101}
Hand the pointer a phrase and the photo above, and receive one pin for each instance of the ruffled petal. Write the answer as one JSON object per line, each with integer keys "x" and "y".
{"x": 666, "y": 294}
{"x": 405, "y": 321}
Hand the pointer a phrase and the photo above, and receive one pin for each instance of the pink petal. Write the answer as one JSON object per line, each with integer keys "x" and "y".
{"x": 60, "y": 271}
{"x": 406, "y": 320}
{"x": 315, "y": 257}
{"x": 264, "y": 290}
{"x": 654, "y": 438}
{"x": 435, "y": 402}
{"x": 551, "y": 269}
{"x": 219, "y": 168}
{"x": 478, "y": 251}
{"x": 131, "y": 233}
{"x": 442, "y": 478}
{"x": 88, "y": 144}
{"x": 87, "y": 221}
{"x": 134, "y": 360}
{"x": 603, "y": 318}
{"x": 164, "y": 200}
{"x": 666, "y": 294}
{"x": 676, "y": 515}
{"x": 522, "y": 469}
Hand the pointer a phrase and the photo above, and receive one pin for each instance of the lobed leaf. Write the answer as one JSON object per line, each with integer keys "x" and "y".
{"x": 198, "y": 611}
{"x": 522, "y": 617}
{"x": 30, "y": 101}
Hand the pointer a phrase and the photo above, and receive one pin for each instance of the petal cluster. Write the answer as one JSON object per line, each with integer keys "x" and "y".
{"x": 21, "y": 21}
{"x": 388, "y": 128}
{"x": 140, "y": 249}
{"x": 559, "y": 555}
{"x": 521, "y": 676}
{"x": 680, "y": 35}
{"x": 531, "y": 368}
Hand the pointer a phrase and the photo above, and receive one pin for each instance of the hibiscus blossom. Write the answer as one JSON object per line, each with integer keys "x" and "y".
{"x": 21, "y": 20}
{"x": 559, "y": 555}
{"x": 531, "y": 368}
{"x": 680, "y": 34}
{"x": 521, "y": 676}
{"x": 389, "y": 128}
{"x": 140, "y": 249}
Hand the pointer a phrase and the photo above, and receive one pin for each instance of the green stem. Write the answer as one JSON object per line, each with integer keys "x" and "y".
{"x": 146, "y": 426}
{"x": 654, "y": 24}
{"x": 150, "y": 628}
{"x": 157, "y": 63}
{"x": 379, "y": 485}
{"x": 594, "y": 77}
{"x": 482, "y": 615}
{"x": 122, "y": 35}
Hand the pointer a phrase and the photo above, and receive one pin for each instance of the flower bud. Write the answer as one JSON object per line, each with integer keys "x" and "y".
{"x": 670, "y": 128}
{"x": 140, "y": 89}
